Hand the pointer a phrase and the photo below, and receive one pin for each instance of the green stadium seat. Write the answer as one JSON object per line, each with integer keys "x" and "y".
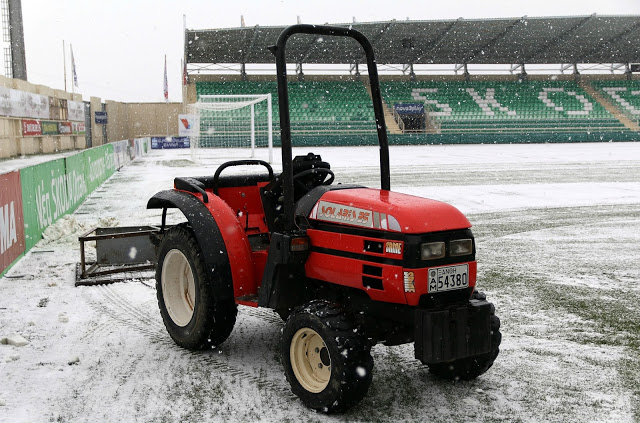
{"x": 624, "y": 94}
{"x": 500, "y": 106}
{"x": 315, "y": 106}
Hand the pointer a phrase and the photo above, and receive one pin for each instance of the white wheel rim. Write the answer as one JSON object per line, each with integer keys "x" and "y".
{"x": 178, "y": 287}
{"x": 310, "y": 360}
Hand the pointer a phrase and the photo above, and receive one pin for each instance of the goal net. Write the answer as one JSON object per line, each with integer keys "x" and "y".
{"x": 238, "y": 123}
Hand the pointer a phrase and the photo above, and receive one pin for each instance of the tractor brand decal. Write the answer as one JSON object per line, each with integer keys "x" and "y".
{"x": 331, "y": 212}
{"x": 393, "y": 247}
{"x": 409, "y": 284}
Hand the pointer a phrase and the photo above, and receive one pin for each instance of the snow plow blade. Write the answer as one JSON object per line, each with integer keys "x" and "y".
{"x": 121, "y": 254}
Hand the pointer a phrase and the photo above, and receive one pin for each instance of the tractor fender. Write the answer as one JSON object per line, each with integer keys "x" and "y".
{"x": 225, "y": 248}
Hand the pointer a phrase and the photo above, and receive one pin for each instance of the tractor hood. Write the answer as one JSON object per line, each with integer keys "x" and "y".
{"x": 388, "y": 211}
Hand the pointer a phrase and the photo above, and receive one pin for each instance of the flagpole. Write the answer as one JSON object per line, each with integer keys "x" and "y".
{"x": 73, "y": 72}
{"x": 64, "y": 65}
{"x": 184, "y": 64}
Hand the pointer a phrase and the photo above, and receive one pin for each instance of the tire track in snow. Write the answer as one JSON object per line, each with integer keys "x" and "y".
{"x": 263, "y": 314}
{"x": 96, "y": 331}
{"x": 119, "y": 308}
{"x": 138, "y": 314}
{"x": 114, "y": 307}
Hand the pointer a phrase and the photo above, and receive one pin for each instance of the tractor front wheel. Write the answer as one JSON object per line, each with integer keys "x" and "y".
{"x": 326, "y": 357}
{"x": 193, "y": 316}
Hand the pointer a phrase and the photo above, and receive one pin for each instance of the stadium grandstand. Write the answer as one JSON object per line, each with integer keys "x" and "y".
{"x": 551, "y": 79}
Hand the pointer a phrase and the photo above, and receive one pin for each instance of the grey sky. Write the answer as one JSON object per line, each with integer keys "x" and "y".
{"x": 119, "y": 45}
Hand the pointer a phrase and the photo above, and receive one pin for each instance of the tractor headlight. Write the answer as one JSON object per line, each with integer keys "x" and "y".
{"x": 461, "y": 247}
{"x": 432, "y": 250}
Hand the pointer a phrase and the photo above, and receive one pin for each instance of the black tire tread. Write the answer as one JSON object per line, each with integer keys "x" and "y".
{"x": 215, "y": 319}
{"x": 355, "y": 348}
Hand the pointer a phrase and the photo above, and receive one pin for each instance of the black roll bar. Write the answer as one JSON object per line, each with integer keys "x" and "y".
{"x": 283, "y": 102}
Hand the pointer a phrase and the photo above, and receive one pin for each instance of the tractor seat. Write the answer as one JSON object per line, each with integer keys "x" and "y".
{"x": 229, "y": 181}
{"x": 201, "y": 183}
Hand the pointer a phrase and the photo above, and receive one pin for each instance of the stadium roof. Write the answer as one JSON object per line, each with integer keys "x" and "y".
{"x": 575, "y": 39}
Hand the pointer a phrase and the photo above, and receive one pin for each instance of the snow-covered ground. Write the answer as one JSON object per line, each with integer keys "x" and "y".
{"x": 558, "y": 238}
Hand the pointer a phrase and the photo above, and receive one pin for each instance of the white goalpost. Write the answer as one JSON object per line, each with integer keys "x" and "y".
{"x": 238, "y": 122}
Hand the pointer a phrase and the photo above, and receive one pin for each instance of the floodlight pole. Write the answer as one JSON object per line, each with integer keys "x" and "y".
{"x": 16, "y": 35}
{"x": 64, "y": 65}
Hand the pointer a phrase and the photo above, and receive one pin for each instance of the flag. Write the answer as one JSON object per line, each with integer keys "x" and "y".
{"x": 184, "y": 73}
{"x": 73, "y": 68}
{"x": 166, "y": 83}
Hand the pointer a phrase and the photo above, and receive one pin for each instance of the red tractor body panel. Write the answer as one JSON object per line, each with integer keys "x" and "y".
{"x": 336, "y": 257}
{"x": 376, "y": 263}
{"x": 241, "y": 258}
{"x": 388, "y": 211}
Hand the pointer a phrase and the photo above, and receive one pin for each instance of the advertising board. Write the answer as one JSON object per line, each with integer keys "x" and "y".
{"x": 78, "y": 127}
{"x": 101, "y": 117}
{"x": 49, "y": 128}
{"x": 159, "y": 143}
{"x": 188, "y": 125}
{"x": 12, "y": 243}
{"x": 64, "y": 128}
{"x": 31, "y": 128}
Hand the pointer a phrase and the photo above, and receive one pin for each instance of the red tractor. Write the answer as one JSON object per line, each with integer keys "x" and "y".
{"x": 345, "y": 266}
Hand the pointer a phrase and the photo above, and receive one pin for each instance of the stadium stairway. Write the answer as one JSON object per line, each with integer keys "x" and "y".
{"x": 389, "y": 120}
{"x": 610, "y": 107}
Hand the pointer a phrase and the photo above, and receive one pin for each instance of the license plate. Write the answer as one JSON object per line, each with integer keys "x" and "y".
{"x": 448, "y": 278}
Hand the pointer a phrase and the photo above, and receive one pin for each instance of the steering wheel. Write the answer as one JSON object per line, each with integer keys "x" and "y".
{"x": 297, "y": 176}
{"x": 318, "y": 170}
{"x": 323, "y": 171}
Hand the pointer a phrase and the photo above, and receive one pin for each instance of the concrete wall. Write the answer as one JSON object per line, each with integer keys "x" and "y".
{"x": 118, "y": 121}
{"x": 97, "y": 129}
{"x": 135, "y": 120}
{"x": 148, "y": 119}
{"x": 124, "y": 121}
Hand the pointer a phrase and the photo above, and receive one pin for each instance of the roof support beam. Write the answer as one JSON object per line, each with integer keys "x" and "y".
{"x": 564, "y": 67}
{"x": 504, "y": 33}
{"x": 378, "y": 37}
{"x": 436, "y": 42}
{"x": 307, "y": 51}
{"x": 558, "y": 39}
{"x": 249, "y": 46}
{"x": 612, "y": 40}
{"x": 355, "y": 70}
{"x": 515, "y": 67}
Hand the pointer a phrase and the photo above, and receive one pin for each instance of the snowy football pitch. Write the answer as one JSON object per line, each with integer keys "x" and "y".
{"x": 557, "y": 228}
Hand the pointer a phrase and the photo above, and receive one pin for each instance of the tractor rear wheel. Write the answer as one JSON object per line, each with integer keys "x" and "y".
{"x": 193, "y": 316}
{"x": 326, "y": 357}
{"x": 472, "y": 367}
